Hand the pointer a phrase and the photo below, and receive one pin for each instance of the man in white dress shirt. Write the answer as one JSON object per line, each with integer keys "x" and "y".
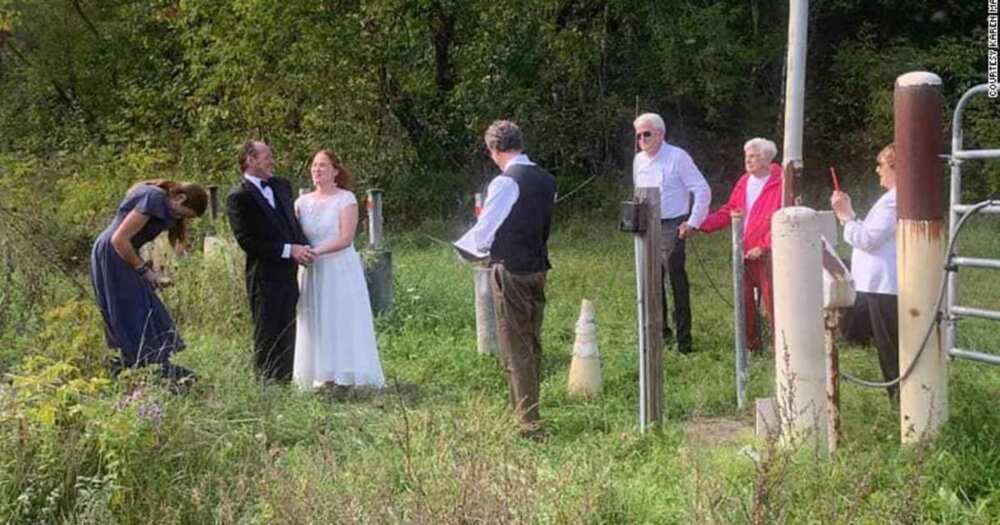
{"x": 512, "y": 233}
{"x": 671, "y": 169}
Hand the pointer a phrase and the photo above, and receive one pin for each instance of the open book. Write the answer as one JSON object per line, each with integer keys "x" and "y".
{"x": 466, "y": 248}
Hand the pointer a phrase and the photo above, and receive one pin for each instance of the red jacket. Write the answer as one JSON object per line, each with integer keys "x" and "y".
{"x": 757, "y": 232}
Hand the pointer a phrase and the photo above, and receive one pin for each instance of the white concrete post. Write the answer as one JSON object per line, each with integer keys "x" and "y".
{"x": 798, "y": 314}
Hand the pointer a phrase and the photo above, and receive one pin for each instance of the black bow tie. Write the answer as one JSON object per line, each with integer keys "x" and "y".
{"x": 266, "y": 184}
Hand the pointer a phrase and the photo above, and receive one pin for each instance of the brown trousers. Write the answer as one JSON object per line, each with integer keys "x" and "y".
{"x": 520, "y": 307}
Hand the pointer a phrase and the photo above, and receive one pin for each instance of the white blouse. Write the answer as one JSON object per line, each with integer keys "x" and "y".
{"x": 873, "y": 261}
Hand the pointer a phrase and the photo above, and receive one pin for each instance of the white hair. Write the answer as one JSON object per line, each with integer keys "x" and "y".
{"x": 765, "y": 147}
{"x": 652, "y": 119}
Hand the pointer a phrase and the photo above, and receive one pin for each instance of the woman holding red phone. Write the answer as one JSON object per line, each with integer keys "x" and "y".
{"x": 873, "y": 262}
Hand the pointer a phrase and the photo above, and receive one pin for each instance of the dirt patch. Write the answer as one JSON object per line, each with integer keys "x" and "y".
{"x": 718, "y": 430}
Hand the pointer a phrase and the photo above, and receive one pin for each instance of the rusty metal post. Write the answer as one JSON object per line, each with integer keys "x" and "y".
{"x": 831, "y": 319}
{"x": 650, "y": 283}
{"x": 924, "y": 393}
{"x": 378, "y": 267}
{"x": 739, "y": 312}
{"x": 795, "y": 89}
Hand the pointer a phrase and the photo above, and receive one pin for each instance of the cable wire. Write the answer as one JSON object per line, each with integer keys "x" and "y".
{"x": 937, "y": 308}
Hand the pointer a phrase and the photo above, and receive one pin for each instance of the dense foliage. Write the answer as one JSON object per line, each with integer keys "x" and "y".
{"x": 404, "y": 88}
{"x": 439, "y": 445}
{"x": 96, "y": 94}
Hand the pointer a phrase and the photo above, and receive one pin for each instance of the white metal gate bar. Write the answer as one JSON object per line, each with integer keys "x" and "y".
{"x": 952, "y": 311}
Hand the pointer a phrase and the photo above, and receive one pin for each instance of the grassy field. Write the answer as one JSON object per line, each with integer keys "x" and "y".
{"x": 439, "y": 445}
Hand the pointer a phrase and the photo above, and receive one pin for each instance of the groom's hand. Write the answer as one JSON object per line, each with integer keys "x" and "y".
{"x": 303, "y": 254}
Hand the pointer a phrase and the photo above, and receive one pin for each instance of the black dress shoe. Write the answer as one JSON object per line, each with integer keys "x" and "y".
{"x": 685, "y": 349}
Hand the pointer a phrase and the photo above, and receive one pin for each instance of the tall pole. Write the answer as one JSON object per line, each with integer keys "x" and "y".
{"x": 795, "y": 93}
{"x": 923, "y": 394}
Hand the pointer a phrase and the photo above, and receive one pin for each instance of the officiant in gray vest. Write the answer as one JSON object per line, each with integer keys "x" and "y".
{"x": 511, "y": 234}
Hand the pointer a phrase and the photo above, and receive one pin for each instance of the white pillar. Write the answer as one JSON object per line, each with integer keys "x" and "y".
{"x": 798, "y": 315}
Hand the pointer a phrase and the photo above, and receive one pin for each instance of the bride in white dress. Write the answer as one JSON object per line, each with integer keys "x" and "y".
{"x": 335, "y": 339}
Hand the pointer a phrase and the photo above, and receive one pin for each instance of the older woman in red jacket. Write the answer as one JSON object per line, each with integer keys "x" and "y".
{"x": 756, "y": 197}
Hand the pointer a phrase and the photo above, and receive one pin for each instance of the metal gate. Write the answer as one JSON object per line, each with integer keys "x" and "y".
{"x": 958, "y": 214}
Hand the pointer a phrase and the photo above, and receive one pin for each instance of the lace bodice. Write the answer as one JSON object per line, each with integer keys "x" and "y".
{"x": 320, "y": 215}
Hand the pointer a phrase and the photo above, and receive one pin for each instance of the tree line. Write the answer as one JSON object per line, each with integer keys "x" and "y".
{"x": 403, "y": 89}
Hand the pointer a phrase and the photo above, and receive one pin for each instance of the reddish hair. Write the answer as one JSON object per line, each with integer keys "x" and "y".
{"x": 343, "y": 178}
{"x": 888, "y": 154}
{"x": 196, "y": 199}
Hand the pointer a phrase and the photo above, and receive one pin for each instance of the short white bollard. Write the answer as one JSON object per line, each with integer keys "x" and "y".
{"x": 800, "y": 362}
{"x": 585, "y": 369}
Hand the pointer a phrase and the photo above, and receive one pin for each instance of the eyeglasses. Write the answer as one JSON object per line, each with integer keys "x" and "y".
{"x": 644, "y": 135}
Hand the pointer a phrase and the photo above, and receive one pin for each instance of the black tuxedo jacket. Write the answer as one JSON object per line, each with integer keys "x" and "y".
{"x": 262, "y": 231}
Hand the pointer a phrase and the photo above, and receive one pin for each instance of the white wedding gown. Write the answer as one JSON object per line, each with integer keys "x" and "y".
{"x": 335, "y": 338}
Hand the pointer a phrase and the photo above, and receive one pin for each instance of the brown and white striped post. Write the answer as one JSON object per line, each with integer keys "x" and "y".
{"x": 923, "y": 394}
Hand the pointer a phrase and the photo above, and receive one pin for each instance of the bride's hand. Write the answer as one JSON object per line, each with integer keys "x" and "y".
{"x": 154, "y": 278}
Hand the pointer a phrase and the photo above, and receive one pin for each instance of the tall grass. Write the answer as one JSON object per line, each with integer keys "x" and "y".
{"x": 439, "y": 444}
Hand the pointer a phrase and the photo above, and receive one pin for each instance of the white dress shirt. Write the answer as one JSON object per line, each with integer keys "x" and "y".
{"x": 501, "y": 195}
{"x": 674, "y": 172}
{"x": 873, "y": 261}
{"x": 268, "y": 195}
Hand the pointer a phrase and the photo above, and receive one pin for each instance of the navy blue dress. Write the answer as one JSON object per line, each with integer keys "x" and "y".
{"x": 135, "y": 320}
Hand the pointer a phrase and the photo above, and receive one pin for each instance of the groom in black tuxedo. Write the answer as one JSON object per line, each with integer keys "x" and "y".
{"x": 263, "y": 221}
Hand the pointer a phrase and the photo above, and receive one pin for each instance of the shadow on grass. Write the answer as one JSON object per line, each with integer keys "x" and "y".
{"x": 409, "y": 393}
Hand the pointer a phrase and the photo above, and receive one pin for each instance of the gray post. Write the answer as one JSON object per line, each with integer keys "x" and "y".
{"x": 378, "y": 270}
{"x": 486, "y": 319}
{"x": 649, "y": 260}
{"x": 739, "y": 314}
{"x": 374, "y": 205}
{"x": 213, "y": 202}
